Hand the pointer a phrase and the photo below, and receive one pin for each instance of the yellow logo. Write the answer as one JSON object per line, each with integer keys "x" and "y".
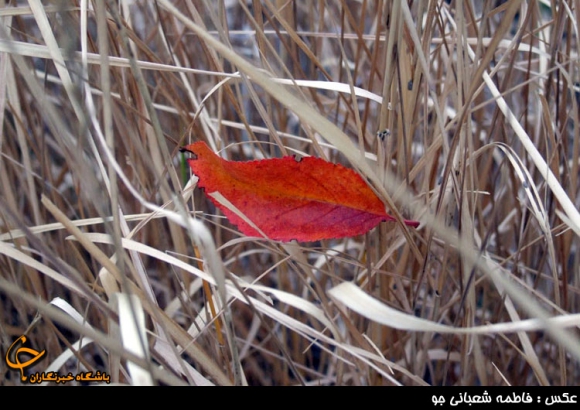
{"x": 14, "y": 357}
{"x": 17, "y": 364}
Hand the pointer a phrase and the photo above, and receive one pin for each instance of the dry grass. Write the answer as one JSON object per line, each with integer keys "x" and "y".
{"x": 481, "y": 108}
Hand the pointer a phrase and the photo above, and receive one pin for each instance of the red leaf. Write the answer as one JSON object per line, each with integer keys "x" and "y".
{"x": 287, "y": 199}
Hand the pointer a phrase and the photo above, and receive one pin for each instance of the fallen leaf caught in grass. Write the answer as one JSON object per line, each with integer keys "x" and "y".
{"x": 285, "y": 198}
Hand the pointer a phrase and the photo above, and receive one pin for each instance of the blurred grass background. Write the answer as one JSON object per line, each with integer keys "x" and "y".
{"x": 463, "y": 115}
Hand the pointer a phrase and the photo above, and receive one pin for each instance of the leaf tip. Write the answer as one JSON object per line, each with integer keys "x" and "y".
{"x": 189, "y": 150}
{"x": 196, "y": 149}
{"x": 412, "y": 223}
